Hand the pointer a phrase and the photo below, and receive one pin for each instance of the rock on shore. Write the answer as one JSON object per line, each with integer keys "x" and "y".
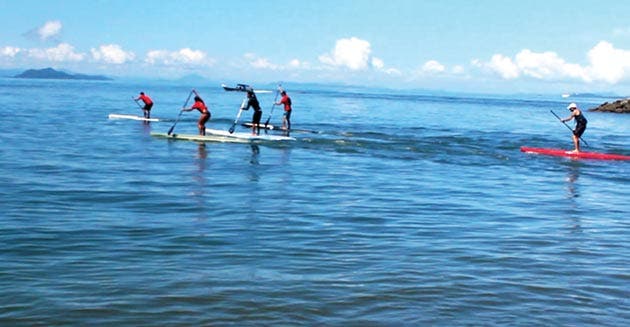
{"x": 619, "y": 106}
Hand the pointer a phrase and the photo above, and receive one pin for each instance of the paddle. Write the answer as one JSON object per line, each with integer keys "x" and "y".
{"x": 181, "y": 112}
{"x": 136, "y": 101}
{"x": 569, "y": 127}
{"x": 238, "y": 116}
{"x": 272, "y": 107}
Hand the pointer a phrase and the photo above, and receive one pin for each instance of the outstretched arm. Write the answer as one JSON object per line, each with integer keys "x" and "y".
{"x": 569, "y": 118}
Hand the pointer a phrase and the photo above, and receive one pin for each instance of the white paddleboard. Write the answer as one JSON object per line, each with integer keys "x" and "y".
{"x": 199, "y": 138}
{"x": 248, "y": 135}
{"x": 214, "y": 135}
{"x": 132, "y": 117}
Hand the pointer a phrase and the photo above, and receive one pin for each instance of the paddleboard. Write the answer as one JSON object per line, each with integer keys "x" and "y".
{"x": 214, "y": 135}
{"x": 579, "y": 155}
{"x": 248, "y": 135}
{"x": 262, "y": 126}
{"x": 199, "y": 138}
{"x": 133, "y": 117}
{"x": 279, "y": 128}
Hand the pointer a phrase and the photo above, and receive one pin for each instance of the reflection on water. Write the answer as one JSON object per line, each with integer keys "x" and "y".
{"x": 255, "y": 163}
{"x": 573, "y": 194}
{"x": 203, "y": 153}
{"x": 572, "y": 176}
{"x": 255, "y": 154}
{"x": 199, "y": 185}
{"x": 146, "y": 128}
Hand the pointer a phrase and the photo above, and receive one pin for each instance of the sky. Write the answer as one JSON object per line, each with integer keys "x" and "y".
{"x": 451, "y": 45}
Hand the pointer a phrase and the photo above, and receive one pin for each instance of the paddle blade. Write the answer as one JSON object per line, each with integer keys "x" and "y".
{"x": 170, "y": 130}
{"x": 231, "y": 130}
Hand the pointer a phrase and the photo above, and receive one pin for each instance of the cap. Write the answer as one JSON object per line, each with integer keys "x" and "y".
{"x": 572, "y": 106}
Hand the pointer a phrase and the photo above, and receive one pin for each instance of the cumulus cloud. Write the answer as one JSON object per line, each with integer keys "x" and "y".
{"x": 259, "y": 62}
{"x": 295, "y": 63}
{"x": 355, "y": 54}
{"x": 182, "y": 56}
{"x": 458, "y": 69}
{"x": 433, "y": 66}
{"x": 605, "y": 63}
{"x": 9, "y": 51}
{"x": 49, "y": 29}
{"x": 378, "y": 63}
{"x": 61, "y": 53}
{"x": 352, "y": 53}
{"x": 112, "y": 54}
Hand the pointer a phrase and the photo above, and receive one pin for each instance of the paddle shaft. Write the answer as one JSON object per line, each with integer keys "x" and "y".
{"x": 569, "y": 127}
{"x": 180, "y": 112}
{"x": 272, "y": 107}
{"x": 136, "y": 101}
{"x": 238, "y": 116}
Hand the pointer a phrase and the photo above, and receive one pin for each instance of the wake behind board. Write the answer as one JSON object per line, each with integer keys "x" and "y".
{"x": 579, "y": 155}
{"x": 132, "y": 117}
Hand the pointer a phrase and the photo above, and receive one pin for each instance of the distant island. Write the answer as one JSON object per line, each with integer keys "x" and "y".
{"x": 49, "y": 73}
{"x": 619, "y": 106}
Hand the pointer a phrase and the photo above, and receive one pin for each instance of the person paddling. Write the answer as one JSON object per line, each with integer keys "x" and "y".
{"x": 148, "y": 104}
{"x": 252, "y": 101}
{"x": 286, "y": 119}
{"x": 205, "y": 113}
{"x": 580, "y": 125}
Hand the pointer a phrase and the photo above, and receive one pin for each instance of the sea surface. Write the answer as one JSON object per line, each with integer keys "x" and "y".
{"x": 391, "y": 208}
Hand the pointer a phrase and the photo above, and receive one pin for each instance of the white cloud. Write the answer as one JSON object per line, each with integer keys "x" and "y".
{"x": 9, "y": 51}
{"x": 61, "y": 53}
{"x": 49, "y": 29}
{"x": 182, "y": 56}
{"x": 605, "y": 64}
{"x": 112, "y": 54}
{"x": 546, "y": 65}
{"x": 378, "y": 63}
{"x": 433, "y": 66}
{"x": 504, "y": 66}
{"x": 259, "y": 62}
{"x": 295, "y": 63}
{"x": 352, "y": 53}
{"x": 457, "y": 69}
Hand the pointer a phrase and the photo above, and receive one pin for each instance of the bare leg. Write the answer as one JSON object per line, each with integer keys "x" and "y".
{"x": 576, "y": 142}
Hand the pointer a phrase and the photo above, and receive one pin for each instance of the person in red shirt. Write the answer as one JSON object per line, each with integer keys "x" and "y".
{"x": 205, "y": 114}
{"x": 148, "y": 104}
{"x": 286, "y": 119}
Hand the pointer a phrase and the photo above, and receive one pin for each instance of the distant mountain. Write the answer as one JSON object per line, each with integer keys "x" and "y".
{"x": 49, "y": 73}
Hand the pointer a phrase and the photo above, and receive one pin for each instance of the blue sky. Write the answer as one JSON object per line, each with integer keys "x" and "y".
{"x": 486, "y": 46}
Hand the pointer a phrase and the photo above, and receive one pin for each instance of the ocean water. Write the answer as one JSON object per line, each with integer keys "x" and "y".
{"x": 391, "y": 208}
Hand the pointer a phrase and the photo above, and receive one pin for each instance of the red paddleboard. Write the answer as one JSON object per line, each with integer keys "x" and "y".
{"x": 579, "y": 155}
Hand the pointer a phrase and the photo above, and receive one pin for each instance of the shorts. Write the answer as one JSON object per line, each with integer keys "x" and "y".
{"x": 204, "y": 118}
{"x": 579, "y": 130}
{"x": 256, "y": 117}
{"x": 287, "y": 114}
{"x": 148, "y": 106}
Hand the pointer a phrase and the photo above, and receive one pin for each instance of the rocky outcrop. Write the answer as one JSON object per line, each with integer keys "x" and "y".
{"x": 619, "y": 106}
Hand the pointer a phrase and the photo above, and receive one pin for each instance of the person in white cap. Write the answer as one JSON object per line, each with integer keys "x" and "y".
{"x": 580, "y": 125}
